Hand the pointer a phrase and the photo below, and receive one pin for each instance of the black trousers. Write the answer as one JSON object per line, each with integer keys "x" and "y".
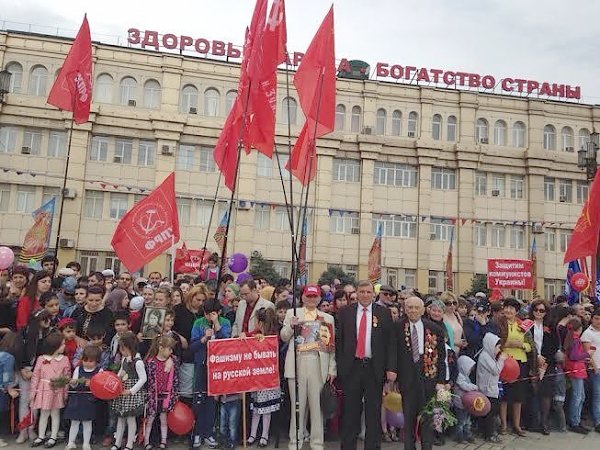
{"x": 413, "y": 401}
{"x": 362, "y": 383}
{"x": 489, "y": 421}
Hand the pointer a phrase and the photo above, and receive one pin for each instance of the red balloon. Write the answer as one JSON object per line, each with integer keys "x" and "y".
{"x": 106, "y": 385}
{"x": 510, "y": 371}
{"x": 580, "y": 281}
{"x": 181, "y": 419}
{"x": 476, "y": 403}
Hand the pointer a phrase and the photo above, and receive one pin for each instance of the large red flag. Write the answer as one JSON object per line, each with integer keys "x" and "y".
{"x": 72, "y": 90}
{"x": 584, "y": 240}
{"x": 303, "y": 161}
{"x": 149, "y": 228}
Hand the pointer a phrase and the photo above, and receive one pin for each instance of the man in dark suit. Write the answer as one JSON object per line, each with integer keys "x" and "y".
{"x": 366, "y": 355}
{"x": 422, "y": 369}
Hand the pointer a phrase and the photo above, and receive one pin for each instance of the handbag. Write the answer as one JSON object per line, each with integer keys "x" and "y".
{"x": 328, "y": 401}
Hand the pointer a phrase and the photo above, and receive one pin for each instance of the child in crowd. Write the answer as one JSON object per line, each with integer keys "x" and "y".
{"x": 67, "y": 327}
{"x": 463, "y": 384}
{"x": 163, "y": 382}
{"x": 181, "y": 343}
{"x": 136, "y": 307}
{"x": 575, "y": 367}
{"x": 122, "y": 326}
{"x": 80, "y": 296}
{"x": 81, "y": 405}
{"x": 96, "y": 335}
{"x": 281, "y": 307}
{"x": 48, "y": 387}
{"x": 162, "y": 298}
{"x": 49, "y": 301}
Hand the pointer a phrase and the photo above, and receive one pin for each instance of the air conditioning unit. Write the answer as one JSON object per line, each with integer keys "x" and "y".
{"x": 570, "y": 149}
{"x": 412, "y": 134}
{"x": 66, "y": 243}
{"x": 495, "y": 193}
{"x": 255, "y": 254}
{"x": 484, "y": 141}
{"x": 26, "y": 150}
{"x": 193, "y": 110}
{"x": 563, "y": 198}
{"x": 118, "y": 159}
{"x": 166, "y": 150}
{"x": 243, "y": 205}
{"x": 69, "y": 193}
{"x": 367, "y": 130}
{"x": 355, "y": 230}
{"x": 537, "y": 228}
{"x": 432, "y": 237}
{"x": 131, "y": 103}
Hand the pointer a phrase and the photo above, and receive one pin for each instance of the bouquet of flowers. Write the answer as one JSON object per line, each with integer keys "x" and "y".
{"x": 59, "y": 382}
{"x": 438, "y": 410}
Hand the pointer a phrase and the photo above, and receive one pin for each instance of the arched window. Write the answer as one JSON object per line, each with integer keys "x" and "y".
{"x": 340, "y": 117}
{"x": 16, "y": 70}
{"x": 380, "y": 121}
{"x": 436, "y": 127}
{"x": 230, "y": 100}
{"x": 397, "y": 123}
{"x": 566, "y": 140}
{"x": 127, "y": 90}
{"x": 211, "y": 102}
{"x": 584, "y": 138}
{"x": 189, "y": 99}
{"x": 518, "y": 134}
{"x": 38, "y": 79}
{"x": 481, "y": 131}
{"x": 451, "y": 129}
{"x": 289, "y": 116}
{"x": 500, "y": 132}
{"x": 152, "y": 94}
{"x": 549, "y": 137}
{"x": 355, "y": 120}
{"x": 413, "y": 119}
{"x": 103, "y": 89}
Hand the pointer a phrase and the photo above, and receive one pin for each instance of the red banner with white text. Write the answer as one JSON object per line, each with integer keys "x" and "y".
{"x": 510, "y": 274}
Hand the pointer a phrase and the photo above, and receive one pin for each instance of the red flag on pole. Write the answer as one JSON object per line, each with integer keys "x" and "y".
{"x": 449, "y": 275}
{"x": 72, "y": 90}
{"x": 149, "y": 228}
{"x": 584, "y": 240}
{"x": 374, "y": 266}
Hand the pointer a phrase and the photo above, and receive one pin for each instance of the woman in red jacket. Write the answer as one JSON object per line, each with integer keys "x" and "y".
{"x": 30, "y": 302}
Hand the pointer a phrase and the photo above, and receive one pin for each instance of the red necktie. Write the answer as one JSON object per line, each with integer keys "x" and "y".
{"x": 362, "y": 335}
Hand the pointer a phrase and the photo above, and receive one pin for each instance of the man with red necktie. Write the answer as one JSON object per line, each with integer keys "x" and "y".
{"x": 366, "y": 357}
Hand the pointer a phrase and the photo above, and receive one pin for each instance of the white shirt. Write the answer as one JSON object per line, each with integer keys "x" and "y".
{"x": 592, "y": 336}
{"x": 359, "y": 313}
{"x": 420, "y": 334}
{"x": 538, "y": 336}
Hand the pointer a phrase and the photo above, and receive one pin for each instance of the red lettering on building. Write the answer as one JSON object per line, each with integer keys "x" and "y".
{"x": 449, "y": 78}
{"x": 436, "y": 74}
{"x": 218, "y": 48}
{"x": 520, "y": 84}
{"x": 381, "y": 70}
{"x": 170, "y": 41}
{"x": 344, "y": 66}
{"x": 558, "y": 90}
{"x": 202, "y": 46}
{"x": 423, "y": 75}
{"x": 532, "y": 86}
{"x": 574, "y": 92}
{"x": 185, "y": 41}
{"x": 474, "y": 80}
{"x": 396, "y": 71}
{"x": 232, "y": 52}
{"x": 407, "y": 72}
{"x": 545, "y": 89}
{"x": 133, "y": 36}
{"x": 488, "y": 82}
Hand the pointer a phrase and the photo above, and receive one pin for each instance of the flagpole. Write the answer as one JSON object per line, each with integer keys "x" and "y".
{"x": 172, "y": 271}
{"x": 212, "y": 210}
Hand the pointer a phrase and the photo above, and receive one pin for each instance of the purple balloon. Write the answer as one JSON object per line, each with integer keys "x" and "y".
{"x": 238, "y": 262}
{"x": 242, "y": 277}
{"x": 394, "y": 419}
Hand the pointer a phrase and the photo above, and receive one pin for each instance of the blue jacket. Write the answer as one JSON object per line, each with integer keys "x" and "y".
{"x": 7, "y": 370}
{"x": 199, "y": 329}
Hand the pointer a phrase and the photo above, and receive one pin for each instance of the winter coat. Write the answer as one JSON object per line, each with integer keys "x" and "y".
{"x": 463, "y": 381}
{"x": 488, "y": 367}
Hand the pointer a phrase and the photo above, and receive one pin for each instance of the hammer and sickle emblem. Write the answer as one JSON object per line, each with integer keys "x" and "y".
{"x": 150, "y": 221}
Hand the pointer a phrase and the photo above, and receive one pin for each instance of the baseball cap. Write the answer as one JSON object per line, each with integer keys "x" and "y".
{"x": 312, "y": 290}
{"x": 108, "y": 273}
{"x": 69, "y": 284}
{"x": 66, "y": 272}
{"x": 387, "y": 288}
{"x": 480, "y": 295}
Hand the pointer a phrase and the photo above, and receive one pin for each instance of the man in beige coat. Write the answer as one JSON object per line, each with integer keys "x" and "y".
{"x": 251, "y": 302}
{"x": 316, "y": 364}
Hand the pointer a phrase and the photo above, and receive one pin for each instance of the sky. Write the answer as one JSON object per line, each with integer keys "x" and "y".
{"x": 553, "y": 41}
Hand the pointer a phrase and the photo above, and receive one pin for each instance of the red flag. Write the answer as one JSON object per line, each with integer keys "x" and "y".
{"x": 149, "y": 228}
{"x": 374, "y": 266}
{"x": 72, "y": 90}
{"x": 303, "y": 162}
{"x": 449, "y": 273}
{"x": 584, "y": 240}
{"x": 189, "y": 261}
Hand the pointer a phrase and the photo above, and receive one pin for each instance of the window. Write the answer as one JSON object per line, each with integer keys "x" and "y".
{"x": 549, "y": 137}
{"x": 127, "y": 90}
{"x": 8, "y": 139}
{"x": 355, "y": 119}
{"x": 264, "y": 166}
{"x": 451, "y": 129}
{"x": 340, "y": 117}
{"x": 413, "y": 117}
{"x": 565, "y": 191}
{"x": 203, "y": 210}
{"x": 498, "y": 185}
{"x": 480, "y": 183}
{"x": 262, "y": 217}
{"x": 380, "y": 121}
{"x": 152, "y": 94}
{"x": 582, "y": 191}
{"x": 410, "y": 278}
{"x": 211, "y": 102}
{"x": 518, "y": 135}
{"x": 103, "y": 89}
{"x": 118, "y": 205}
{"x": 517, "y": 237}
{"x": 566, "y": 139}
{"x": 33, "y": 140}
{"x": 395, "y": 174}
{"x": 283, "y": 160}
{"x": 436, "y": 281}
{"x": 481, "y": 131}
{"x": 397, "y": 123}
{"x": 38, "y": 79}
{"x": 550, "y": 238}
{"x": 184, "y": 210}
{"x": 4, "y": 197}
{"x": 346, "y": 170}
{"x": 207, "y": 161}
{"x": 289, "y": 109}
{"x": 99, "y": 148}
{"x": 517, "y": 186}
{"x": 552, "y": 288}
{"x": 146, "y": 152}
{"x": 440, "y": 229}
{"x": 498, "y": 236}
{"x": 93, "y": 204}
{"x": 500, "y": 132}
{"x": 230, "y": 100}
{"x": 189, "y": 99}
{"x": 123, "y": 151}
{"x": 344, "y": 222}
{"x": 396, "y": 226}
{"x": 89, "y": 262}
{"x": 16, "y": 79}
{"x": 185, "y": 157}
{"x": 564, "y": 236}
{"x": 584, "y": 137}
{"x": 57, "y": 144}
{"x": 392, "y": 277}
{"x": 549, "y": 189}
{"x": 25, "y": 199}
{"x": 282, "y": 221}
{"x": 112, "y": 262}
{"x": 436, "y": 127}
{"x": 480, "y": 234}
{"x": 443, "y": 178}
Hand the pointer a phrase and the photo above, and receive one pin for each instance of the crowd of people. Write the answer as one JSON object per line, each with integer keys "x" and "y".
{"x": 59, "y": 328}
